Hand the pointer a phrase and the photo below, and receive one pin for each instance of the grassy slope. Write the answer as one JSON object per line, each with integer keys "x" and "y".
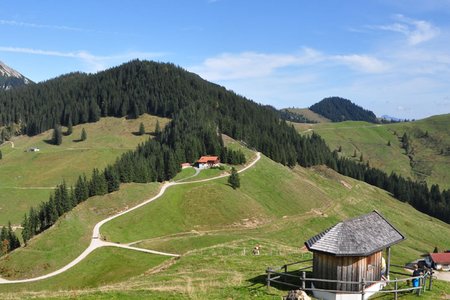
{"x": 69, "y": 237}
{"x": 371, "y": 141}
{"x": 104, "y": 266}
{"x": 26, "y": 178}
{"x": 215, "y": 228}
{"x": 309, "y": 114}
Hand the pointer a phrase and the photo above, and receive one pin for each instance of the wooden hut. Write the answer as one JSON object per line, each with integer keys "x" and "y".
{"x": 352, "y": 251}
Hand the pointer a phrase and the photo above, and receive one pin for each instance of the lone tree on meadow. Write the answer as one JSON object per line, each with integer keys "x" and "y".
{"x": 69, "y": 128}
{"x": 234, "y": 180}
{"x": 83, "y": 135}
{"x": 57, "y": 135}
{"x": 141, "y": 129}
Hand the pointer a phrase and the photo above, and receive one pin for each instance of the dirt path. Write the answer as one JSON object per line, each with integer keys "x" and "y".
{"x": 197, "y": 171}
{"x": 442, "y": 275}
{"x": 11, "y": 142}
{"x": 96, "y": 242}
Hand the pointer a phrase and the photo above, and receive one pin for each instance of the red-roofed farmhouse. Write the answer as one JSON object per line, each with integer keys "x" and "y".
{"x": 208, "y": 162}
{"x": 440, "y": 261}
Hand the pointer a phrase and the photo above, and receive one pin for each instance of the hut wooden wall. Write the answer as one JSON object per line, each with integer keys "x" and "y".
{"x": 346, "y": 268}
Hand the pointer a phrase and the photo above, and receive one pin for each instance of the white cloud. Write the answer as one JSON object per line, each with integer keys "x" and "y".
{"x": 228, "y": 66}
{"x": 93, "y": 62}
{"x": 363, "y": 63}
{"x": 415, "y": 31}
{"x": 45, "y": 26}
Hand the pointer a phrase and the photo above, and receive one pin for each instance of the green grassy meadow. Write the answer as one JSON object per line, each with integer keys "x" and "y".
{"x": 214, "y": 228}
{"x": 371, "y": 140}
{"x": 309, "y": 114}
{"x": 68, "y": 238}
{"x": 27, "y": 178}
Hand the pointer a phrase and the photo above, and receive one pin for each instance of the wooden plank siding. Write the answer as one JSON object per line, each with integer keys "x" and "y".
{"x": 345, "y": 268}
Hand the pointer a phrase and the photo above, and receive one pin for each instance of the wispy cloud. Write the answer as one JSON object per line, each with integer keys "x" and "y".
{"x": 229, "y": 66}
{"x": 244, "y": 65}
{"x": 93, "y": 62}
{"x": 56, "y": 27}
{"x": 415, "y": 31}
{"x": 362, "y": 63}
{"x": 44, "y": 26}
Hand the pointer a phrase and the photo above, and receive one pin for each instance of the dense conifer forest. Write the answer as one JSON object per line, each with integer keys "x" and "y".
{"x": 339, "y": 109}
{"x": 200, "y": 113}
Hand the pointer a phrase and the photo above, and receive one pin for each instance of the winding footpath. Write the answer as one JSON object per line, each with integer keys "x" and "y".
{"x": 96, "y": 241}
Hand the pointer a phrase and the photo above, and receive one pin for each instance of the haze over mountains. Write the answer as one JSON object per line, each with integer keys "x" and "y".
{"x": 10, "y": 78}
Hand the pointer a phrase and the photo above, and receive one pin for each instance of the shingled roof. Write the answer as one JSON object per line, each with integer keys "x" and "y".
{"x": 361, "y": 236}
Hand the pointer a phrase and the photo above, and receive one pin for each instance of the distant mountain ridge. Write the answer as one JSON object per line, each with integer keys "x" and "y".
{"x": 10, "y": 78}
{"x": 340, "y": 109}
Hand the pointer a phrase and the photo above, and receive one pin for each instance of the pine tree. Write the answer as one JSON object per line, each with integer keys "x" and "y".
{"x": 157, "y": 129}
{"x": 234, "y": 179}
{"x": 69, "y": 127}
{"x": 26, "y": 232}
{"x": 57, "y": 135}
{"x": 389, "y": 143}
{"x": 141, "y": 129}
{"x": 361, "y": 158}
{"x": 1, "y": 154}
{"x": 4, "y": 241}
{"x": 340, "y": 149}
{"x": 112, "y": 179}
{"x": 83, "y": 135}
{"x": 354, "y": 153}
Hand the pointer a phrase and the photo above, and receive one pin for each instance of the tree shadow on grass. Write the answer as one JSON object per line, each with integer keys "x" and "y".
{"x": 50, "y": 142}
{"x": 136, "y": 133}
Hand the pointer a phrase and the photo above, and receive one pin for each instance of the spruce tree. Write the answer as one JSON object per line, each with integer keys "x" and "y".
{"x": 69, "y": 127}
{"x": 112, "y": 179}
{"x": 234, "y": 179}
{"x": 83, "y": 135}
{"x": 1, "y": 154}
{"x": 141, "y": 129}
{"x": 4, "y": 241}
{"x": 57, "y": 135}
{"x": 26, "y": 231}
{"x": 157, "y": 129}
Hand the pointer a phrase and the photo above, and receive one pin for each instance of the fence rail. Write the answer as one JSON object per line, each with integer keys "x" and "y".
{"x": 279, "y": 275}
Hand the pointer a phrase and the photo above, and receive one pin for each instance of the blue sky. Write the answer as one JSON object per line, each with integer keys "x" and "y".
{"x": 392, "y": 57}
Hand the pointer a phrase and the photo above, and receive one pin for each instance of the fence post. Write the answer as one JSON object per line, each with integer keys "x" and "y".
{"x": 419, "y": 290}
{"x": 395, "y": 288}
{"x": 285, "y": 271}
{"x": 431, "y": 280}
{"x": 303, "y": 280}
{"x": 268, "y": 277}
{"x": 363, "y": 290}
{"x": 424, "y": 288}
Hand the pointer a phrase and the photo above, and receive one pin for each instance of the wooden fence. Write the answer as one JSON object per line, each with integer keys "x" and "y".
{"x": 298, "y": 279}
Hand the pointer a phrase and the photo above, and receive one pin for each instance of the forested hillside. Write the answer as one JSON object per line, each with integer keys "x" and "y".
{"x": 200, "y": 112}
{"x": 339, "y": 109}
